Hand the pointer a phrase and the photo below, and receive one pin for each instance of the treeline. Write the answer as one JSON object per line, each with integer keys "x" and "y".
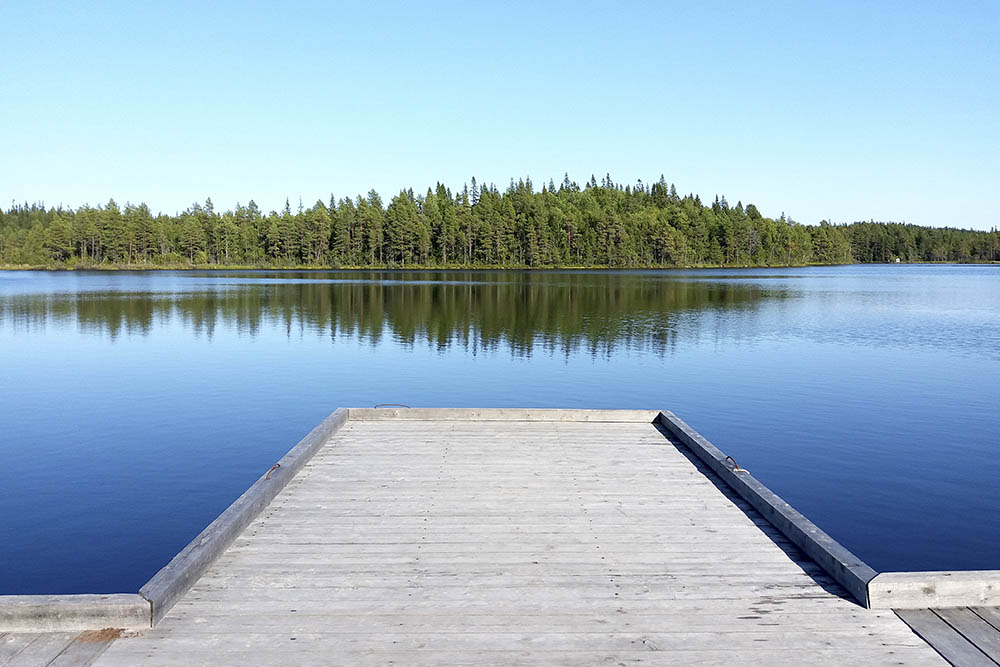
{"x": 600, "y": 224}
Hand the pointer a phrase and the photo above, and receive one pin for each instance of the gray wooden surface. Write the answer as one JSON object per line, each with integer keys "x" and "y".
{"x": 73, "y": 613}
{"x": 55, "y": 649}
{"x": 536, "y": 543}
{"x": 922, "y": 590}
{"x": 963, "y": 635}
{"x": 502, "y": 414}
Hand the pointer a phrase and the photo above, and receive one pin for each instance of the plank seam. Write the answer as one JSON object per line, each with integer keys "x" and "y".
{"x": 994, "y": 625}
{"x": 962, "y": 634}
{"x": 901, "y": 613}
{"x": 62, "y": 650}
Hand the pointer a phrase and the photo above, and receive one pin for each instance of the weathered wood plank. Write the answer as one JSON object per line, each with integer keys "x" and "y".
{"x": 85, "y": 649}
{"x": 307, "y": 620}
{"x": 500, "y": 414}
{"x": 974, "y": 628}
{"x": 73, "y": 613}
{"x": 598, "y": 566}
{"x": 989, "y": 614}
{"x": 542, "y": 574}
{"x": 920, "y": 590}
{"x": 954, "y": 647}
{"x": 402, "y": 544}
{"x": 301, "y": 621}
{"x": 187, "y": 637}
{"x": 13, "y": 643}
{"x": 318, "y": 654}
{"x": 200, "y": 601}
{"x": 42, "y": 649}
{"x": 567, "y": 592}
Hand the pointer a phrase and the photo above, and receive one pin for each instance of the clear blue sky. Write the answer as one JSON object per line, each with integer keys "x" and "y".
{"x": 843, "y": 110}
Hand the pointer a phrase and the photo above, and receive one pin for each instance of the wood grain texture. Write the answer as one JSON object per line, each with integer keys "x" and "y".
{"x": 81, "y": 652}
{"x": 974, "y": 628}
{"x": 12, "y": 643}
{"x": 952, "y": 645}
{"x": 73, "y": 613}
{"x": 921, "y": 590}
{"x": 39, "y": 649}
{"x": 501, "y": 414}
{"x": 465, "y": 542}
{"x": 989, "y": 614}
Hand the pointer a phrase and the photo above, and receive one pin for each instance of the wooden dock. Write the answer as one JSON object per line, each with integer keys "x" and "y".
{"x": 503, "y": 537}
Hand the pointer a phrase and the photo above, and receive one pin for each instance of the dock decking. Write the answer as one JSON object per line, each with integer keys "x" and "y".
{"x": 478, "y": 542}
{"x": 966, "y": 636}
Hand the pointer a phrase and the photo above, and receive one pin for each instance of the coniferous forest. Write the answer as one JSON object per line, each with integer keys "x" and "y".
{"x": 601, "y": 224}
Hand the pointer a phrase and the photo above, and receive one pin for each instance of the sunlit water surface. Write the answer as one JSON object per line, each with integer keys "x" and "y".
{"x": 136, "y": 406}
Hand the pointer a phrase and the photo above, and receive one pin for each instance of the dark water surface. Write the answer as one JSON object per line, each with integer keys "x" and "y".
{"x": 134, "y": 407}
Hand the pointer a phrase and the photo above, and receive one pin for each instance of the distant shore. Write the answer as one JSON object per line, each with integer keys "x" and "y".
{"x": 452, "y": 267}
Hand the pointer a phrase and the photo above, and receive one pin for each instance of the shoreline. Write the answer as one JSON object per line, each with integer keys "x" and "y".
{"x": 457, "y": 267}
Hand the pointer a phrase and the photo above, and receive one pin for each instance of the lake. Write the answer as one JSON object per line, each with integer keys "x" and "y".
{"x": 136, "y": 406}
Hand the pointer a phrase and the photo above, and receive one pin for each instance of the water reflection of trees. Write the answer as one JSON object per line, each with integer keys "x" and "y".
{"x": 564, "y": 312}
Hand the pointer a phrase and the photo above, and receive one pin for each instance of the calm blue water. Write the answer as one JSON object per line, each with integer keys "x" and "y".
{"x": 134, "y": 407}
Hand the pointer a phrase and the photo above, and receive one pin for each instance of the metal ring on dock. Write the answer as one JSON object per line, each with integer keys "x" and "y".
{"x": 273, "y": 468}
{"x": 392, "y": 405}
{"x": 736, "y": 466}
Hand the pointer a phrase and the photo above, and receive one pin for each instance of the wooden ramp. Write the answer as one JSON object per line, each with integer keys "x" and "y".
{"x": 412, "y": 541}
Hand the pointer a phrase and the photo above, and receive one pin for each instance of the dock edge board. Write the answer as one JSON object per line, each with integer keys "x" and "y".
{"x": 847, "y": 569}
{"x": 503, "y": 414}
{"x": 177, "y": 576}
{"x": 920, "y": 590}
{"x": 74, "y": 613}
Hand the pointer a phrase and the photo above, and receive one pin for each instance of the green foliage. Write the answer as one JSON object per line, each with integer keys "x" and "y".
{"x": 604, "y": 224}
